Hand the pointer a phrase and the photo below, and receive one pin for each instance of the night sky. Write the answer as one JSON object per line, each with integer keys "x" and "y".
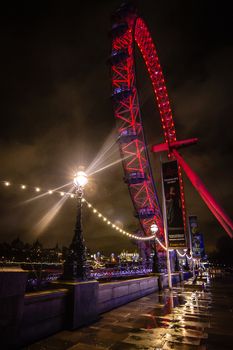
{"x": 56, "y": 111}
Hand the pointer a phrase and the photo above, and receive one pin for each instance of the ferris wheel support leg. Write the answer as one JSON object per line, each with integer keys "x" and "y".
{"x": 218, "y": 217}
{"x": 215, "y": 208}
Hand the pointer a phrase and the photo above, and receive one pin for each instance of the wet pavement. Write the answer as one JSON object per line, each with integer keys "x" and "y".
{"x": 190, "y": 317}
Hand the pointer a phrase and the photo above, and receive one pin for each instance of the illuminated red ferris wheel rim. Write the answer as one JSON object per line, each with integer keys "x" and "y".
{"x": 129, "y": 29}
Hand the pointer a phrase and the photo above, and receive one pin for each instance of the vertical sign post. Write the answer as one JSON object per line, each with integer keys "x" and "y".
{"x": 166, "y": 233}
{"x": 191, "y": 247}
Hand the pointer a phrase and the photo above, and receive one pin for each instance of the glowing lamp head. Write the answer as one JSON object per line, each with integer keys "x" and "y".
{"x": 80, "y": 179}
{"x": 154, "y": 228}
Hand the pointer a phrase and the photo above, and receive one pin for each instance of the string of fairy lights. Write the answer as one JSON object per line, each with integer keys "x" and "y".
{"x": 95, "y": 211}
{"x": 185, "y": 254}
{"x": 89, "y": 205}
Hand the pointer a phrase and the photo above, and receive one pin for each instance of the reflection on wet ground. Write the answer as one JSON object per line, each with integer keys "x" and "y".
{"x": 189, "y": 317}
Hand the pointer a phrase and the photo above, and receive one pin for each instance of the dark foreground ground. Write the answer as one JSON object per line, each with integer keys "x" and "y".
{"x": 190, "y": 317}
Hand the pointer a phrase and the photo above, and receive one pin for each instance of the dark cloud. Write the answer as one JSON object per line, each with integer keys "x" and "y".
{"x": 56, "y": 112}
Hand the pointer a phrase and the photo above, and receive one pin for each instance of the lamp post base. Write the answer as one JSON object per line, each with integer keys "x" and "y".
{"x": 82, "y": 306}
{"x": 70, "y": 270}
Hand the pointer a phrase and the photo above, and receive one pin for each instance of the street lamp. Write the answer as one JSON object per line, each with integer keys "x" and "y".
{"x": 155, "y": 266}
{"x": 80, "y": 179}
{"x": 75, "y": 266}
{"x": 154, "y": 229}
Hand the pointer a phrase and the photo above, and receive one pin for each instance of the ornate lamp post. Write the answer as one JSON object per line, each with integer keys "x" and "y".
{"x": 155, "y": 265}
{"x": 75, "y": 266}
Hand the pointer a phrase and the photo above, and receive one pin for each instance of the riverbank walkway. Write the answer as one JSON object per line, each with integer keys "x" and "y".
{"x": 190, "y": 317}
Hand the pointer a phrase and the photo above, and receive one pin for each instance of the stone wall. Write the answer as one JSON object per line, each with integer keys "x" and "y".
{"x": 26, "y": 318}
{"x": 12, "y": 289}
{"x": 114, "y": 294}
{"x": 44, "y": 314}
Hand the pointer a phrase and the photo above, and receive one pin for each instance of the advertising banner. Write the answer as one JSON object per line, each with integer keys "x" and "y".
{"x": 198, "y": 246}
{"x": 175, "y": 225}
{"x": 197, "y": 239}
{"x": 193, "y": 225}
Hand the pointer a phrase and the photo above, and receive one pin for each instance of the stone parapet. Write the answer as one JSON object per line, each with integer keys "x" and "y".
{"x": 12, "y": 289}
{"x": 114, "y": 294}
